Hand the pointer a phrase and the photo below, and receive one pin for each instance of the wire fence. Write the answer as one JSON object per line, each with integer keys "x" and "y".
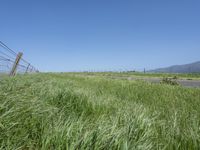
{"x": 118, "y": 70}
{"x": 8, "y": 59}
{"x": 11, "y": 63}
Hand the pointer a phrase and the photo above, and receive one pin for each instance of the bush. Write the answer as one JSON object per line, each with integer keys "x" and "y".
{"x": 169, "y": 81}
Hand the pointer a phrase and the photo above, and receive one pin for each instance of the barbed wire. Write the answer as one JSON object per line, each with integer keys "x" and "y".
{"x": 8, "y": 59}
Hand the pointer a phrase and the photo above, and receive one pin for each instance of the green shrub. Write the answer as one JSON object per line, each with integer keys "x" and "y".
{"x": 169, "y": 81}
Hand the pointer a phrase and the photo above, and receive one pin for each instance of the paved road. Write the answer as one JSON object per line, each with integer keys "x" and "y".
{"x": 183, "y": 82}
{"x": 186, "y": 83}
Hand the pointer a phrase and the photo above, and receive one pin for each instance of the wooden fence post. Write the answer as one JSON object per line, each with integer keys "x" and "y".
{"x": 27, "y": 68}
{"x": 14, "y": 68}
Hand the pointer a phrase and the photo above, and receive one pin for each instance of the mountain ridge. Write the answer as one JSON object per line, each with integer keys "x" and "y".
{"x": 185, "y": 68}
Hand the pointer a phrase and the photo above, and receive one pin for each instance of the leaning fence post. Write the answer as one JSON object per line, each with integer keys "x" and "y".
{"x": 14, "y": 68}
{"x": 27, "y": 68}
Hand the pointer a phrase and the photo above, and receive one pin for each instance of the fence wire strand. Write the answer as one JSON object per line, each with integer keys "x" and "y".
{"x": 7, "y": 60}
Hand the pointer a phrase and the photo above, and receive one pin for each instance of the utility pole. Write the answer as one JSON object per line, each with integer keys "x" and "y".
{"x": 14, "y": 68}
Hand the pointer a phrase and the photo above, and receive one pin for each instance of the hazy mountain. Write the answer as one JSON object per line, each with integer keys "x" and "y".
{"x": 187, "y": 68}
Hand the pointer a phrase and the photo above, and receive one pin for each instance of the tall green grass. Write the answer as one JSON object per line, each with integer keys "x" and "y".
{"x": 190, "y": 76}
{"x": 66, "y": 111}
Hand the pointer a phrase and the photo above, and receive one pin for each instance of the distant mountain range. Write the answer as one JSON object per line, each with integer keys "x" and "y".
{"x": 187, "y": 68}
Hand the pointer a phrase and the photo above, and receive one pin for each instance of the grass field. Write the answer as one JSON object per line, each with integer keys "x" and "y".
{"x": 70, "y": 111}
{"x": 195, "y": 76}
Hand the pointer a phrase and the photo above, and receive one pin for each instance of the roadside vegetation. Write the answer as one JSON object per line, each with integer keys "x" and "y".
{"x": 186, "y": 76}
{"x": 81, "y": 111}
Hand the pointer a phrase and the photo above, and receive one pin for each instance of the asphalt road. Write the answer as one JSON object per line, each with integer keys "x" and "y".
{"x": 183, "y": 82}
{"x": 186, "y": 83}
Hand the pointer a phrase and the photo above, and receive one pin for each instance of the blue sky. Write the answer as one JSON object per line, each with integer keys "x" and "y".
{"x": 76, "y": 35}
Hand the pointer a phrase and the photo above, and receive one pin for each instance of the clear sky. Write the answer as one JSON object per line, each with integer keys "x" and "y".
{"x": 76, "y": 35}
